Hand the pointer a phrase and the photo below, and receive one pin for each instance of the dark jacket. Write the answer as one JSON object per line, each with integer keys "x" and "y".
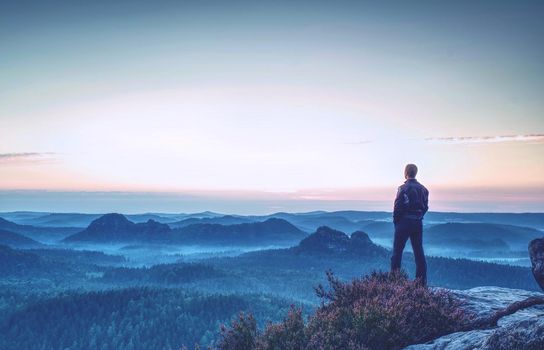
{"x": 412, "y": 201}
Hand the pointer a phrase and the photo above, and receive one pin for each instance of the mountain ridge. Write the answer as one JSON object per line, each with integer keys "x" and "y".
{"x": 116, "y": 227}
{"x": 272, "y": 230}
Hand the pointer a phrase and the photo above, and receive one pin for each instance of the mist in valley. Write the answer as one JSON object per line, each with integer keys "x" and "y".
{"x": 221, "y": 264}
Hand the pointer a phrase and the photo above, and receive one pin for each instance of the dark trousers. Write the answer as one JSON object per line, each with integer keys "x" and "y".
{"x": 410, "y": 229}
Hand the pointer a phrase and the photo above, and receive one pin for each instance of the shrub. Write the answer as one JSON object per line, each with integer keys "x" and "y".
{"x": 379, "y": 311}
{"x": 382, "y": 311}
{"x": 241, "y": 335}
{"x": 287, "y": 335}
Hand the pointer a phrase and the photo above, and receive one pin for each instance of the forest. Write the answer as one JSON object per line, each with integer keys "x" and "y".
{"x": 98, "y": 293}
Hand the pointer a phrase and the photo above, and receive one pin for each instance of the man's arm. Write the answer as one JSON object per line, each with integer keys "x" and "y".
{"x": 425, "y": 200}
{"x": 398, "y": 208}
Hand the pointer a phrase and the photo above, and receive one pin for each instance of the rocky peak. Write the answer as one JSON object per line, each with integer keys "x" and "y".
{"x": 360, "y": 237}
{"x": 329, "y": 241}
{"x": 325, "y": 239}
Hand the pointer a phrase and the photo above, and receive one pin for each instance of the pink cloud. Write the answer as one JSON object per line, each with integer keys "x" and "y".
{"x": 538, "y": 138}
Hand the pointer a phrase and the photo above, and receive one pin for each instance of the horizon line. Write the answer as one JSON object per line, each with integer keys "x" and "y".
{"x": 267, "y": 214}
{"x": 176, "y": 203}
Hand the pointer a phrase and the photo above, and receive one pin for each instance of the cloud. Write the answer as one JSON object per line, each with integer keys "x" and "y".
{"x": 18, "y": 155}
{"x": 26, "y": 157}
{"x": 464, "y": 140}
{"x": 532, "y": 138}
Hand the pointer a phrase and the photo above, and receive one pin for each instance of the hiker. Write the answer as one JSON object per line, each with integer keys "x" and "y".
{"x": 411, "y": 204}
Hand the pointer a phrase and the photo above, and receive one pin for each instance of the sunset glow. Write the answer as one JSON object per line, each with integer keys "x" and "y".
{"x": 275, "y": 107}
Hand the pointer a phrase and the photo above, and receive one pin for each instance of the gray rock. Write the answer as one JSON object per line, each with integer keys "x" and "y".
{"x": 521, "y": 330}
{"x": 527, "y": 335}
{"x": 536, "y": 252}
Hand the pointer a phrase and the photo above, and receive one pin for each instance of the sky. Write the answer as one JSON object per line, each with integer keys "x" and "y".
{"x": 256, "y": 107}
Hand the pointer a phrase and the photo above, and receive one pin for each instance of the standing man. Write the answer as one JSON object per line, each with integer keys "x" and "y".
{"x": 411, "y": 204}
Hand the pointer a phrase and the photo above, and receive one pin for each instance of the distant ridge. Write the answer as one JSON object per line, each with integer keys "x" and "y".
{"x": 40, "y": 234}
{"x": 515, "y": 236}
{"x": 63, "y": 220}
{"x": 16, "y": 240}
{"x": 222, "y": 220}
{"x": 117, "y": 228}
{"x": 114, "y": 227}
{"x": 269, "y": 231}
{"x": 11, "y": 226}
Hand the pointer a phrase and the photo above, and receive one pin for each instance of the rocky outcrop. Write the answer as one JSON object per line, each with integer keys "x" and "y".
{"x": 328, "y": 241}
{"x": 523, "y": 329}
{"x": 536, "y": 253}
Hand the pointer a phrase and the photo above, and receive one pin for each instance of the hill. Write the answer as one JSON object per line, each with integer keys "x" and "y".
{"x": 40, "y": 234}
{"x": 271, "y": 231}
{"x": 112, "y": 228}
{"x": 221, "y": 220}
{"x": 16, "y": 240}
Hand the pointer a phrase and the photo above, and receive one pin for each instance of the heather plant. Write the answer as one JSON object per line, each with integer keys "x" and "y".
{"x": 241, "y": 335}
{"x": 287, "y": 335}
{"x": 380, "y": 311}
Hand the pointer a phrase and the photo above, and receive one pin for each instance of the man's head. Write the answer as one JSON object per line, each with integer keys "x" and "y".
{"x": 410, "y": 171}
